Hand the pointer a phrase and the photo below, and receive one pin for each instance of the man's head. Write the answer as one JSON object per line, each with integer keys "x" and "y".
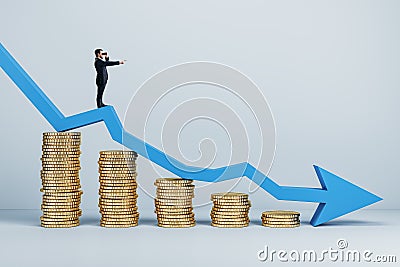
{"x": 100, "y": 53}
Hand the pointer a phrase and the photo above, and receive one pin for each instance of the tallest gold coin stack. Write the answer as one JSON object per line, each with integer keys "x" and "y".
{"x": 60, "y": 179}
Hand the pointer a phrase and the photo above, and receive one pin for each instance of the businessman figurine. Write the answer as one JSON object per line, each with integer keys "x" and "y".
{"x": 101, "y": 63}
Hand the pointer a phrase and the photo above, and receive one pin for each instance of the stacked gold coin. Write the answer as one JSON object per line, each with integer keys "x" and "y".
{"x": 174, "y": 202}
{"x": 230, "y": 209}
{"x": 280, "y": 219}
{"x": 117, "y": 202}
{"x": 60, "y": 179}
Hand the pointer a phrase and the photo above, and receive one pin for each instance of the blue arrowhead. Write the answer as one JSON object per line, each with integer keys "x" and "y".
{"x": 342, "y": 197}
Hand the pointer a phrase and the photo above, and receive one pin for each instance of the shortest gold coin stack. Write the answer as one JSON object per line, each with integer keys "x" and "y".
{"x": 230, "y": 209}
{"x": 174, "y": 202}
{"x": 280, "y": 219}
{"x": 60, "y": 179}
{"x": 117, "y": 191}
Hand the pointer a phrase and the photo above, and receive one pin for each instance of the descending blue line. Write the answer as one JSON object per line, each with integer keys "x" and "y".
{"x": 336, "y": 197}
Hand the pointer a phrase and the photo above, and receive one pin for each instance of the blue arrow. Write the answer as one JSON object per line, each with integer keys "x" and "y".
{"x": 336, "y": 196}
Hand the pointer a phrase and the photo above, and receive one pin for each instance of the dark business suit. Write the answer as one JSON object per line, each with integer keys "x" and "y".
{"x": 102, "y": 77}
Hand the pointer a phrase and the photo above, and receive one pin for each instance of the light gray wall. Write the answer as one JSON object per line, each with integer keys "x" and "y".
{"x": 329, "y": 70}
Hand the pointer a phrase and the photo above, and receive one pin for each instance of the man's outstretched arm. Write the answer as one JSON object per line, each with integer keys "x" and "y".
{"x": 112, "y": 63}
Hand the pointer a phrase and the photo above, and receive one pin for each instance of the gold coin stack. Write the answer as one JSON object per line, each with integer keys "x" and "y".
{"x": 280, "y": 219}
{"x": 230, "y": 209}
{"x": 60, "y": 179}
{"x": 117, "y": 202}
{"x": 174, "y": 202}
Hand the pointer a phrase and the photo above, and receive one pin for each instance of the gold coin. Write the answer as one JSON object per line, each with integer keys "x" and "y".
{"x": 52, "y": 213}
{"x": 119, "y": 222}
{"x": 117, "y": 167}
{"x": 117, "y": 158}
{"x": 128, "y": 201}
{"x": 118, "y": 196}
{"x": 56, "y": 191}
{"x": 59, "y": 163}
{"x": 280, "y": 213}
{"x": 117, "y": 164}
{"x": 117, "y": 209}
{"x": 59, "y": 173}
{"x": 229, "y": 225}
{"x": 129, "y": 180}
{"x": 175, "y": 192}
{"x": 113, "y": 210}
{"x": 115, "y": 153}
{"x": 229, "y": 195}
{"x": 60, "y": 185}
{"x": 163, "y": 196}
{"x": 287, "y": 219}
{"x": 58, "y": 222}
{"x": 61, "y": 154}
{"x": 173, "y": 180}
{"x": 115, "y": 205}
{"x": 126, "y": 225}
{"x": 63, "y": 205}
{"x": 59, "y": 210}
{"x": 173, "y": 201}
{"x": 68, "y": 225}
{"x": 125, "y": 186}
{"x": 173, "y": 207}
{"x": 117, "y": 172}
{"x": 232, "y": 206}
{"x": 60, "y": 159}
{"x": 63, "y": 195}
{"x": 238, "y": 215}
{"x": 61, "y": 144}
{"x": 61, "y": 133}
{"x": 176, "y": 226}
{"x": 131, "y": 190}
{"x": 231, "y": 209}
{"x": 227, "y": 201}
{"x": 230, "y": 220}
{"x": 58, "y": 219}
{"x": 179, "y": 190}
{"x": 165, "y": 220}
{"x": 62, "y": 139}
{"x": 72, "y": 216}
{"x": 69, "y": 147}
{"x": 132, "y": 184}
{"x": 61, "y": 199}
{"x": 46, "y": 169}
{"x": 61, "y": 202}
{"x": 282, "y": 225}
{"x": 120, "y": 219}
{"x": 176, "y": 213}
{"x": 119, "y": 213}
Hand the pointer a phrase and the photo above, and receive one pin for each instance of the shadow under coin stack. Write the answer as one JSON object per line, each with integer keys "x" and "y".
{"x": 280, "y": 219}
{"x": 174, "y": 202}
{"x": 230, "y": 209}
{"x": 117, "y": 202}
{"x": 60, "y": 179}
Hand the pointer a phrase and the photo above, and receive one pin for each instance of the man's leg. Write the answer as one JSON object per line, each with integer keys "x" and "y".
{"x": 100, "y": 91}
